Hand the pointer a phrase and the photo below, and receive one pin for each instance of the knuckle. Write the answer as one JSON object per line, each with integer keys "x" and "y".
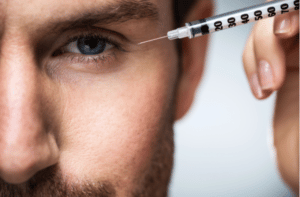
{"x": 263, "y": 29}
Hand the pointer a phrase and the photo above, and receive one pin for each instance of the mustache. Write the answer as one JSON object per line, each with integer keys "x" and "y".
{"x": 49, "y": 183}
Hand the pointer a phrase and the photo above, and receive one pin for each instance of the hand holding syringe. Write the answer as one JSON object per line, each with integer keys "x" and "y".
{"x": 271, "y": 62}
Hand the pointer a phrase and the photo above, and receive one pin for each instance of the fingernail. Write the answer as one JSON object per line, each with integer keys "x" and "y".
{"x": 283, "y": 26}
{"x": 255, "y": 86}
{"x": 265, "y": 75}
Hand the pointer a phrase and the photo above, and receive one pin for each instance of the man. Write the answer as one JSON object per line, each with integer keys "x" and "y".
{"x": 85, "y": 111}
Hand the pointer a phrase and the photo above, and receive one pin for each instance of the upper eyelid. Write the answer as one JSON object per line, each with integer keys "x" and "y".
{"x": 75, "y": 38}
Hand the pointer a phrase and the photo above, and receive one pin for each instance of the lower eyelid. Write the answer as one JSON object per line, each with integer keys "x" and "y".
{"x": 86, "y": 59}
{"x": 110, "y": 61}
{"x": 93, "y": 64}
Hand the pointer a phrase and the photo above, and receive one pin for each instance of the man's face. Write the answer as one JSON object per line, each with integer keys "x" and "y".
{"x": 85, "y": 111}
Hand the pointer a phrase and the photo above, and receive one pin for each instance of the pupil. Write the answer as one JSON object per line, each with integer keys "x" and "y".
{"x": 91, "y": 45}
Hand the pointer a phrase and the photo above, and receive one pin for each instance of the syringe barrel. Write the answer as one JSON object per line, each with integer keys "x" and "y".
{"x": 241, "y": 17}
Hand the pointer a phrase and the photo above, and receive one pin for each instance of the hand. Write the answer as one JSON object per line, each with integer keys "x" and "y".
{"x": 271, "y": 62}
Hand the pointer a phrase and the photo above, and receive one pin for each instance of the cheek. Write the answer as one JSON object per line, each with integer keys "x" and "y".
{"x": 109, "y": 128}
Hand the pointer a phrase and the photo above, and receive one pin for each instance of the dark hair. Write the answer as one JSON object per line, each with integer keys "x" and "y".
{"x": 181, "y": 8}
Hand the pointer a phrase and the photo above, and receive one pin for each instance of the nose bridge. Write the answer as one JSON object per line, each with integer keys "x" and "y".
{"x": 18, "y": 89}
{"x": 24, "y": 144}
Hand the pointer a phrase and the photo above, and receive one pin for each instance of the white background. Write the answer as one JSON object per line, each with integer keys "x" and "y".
{"x": 222, "y": 145}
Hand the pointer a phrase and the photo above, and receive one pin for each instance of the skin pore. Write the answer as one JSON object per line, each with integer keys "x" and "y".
{"x": 75, "y": 125}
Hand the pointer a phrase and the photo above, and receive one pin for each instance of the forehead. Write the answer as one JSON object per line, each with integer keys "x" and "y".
{"x": 39, "y": 10}
{"x": 32, "y": 16}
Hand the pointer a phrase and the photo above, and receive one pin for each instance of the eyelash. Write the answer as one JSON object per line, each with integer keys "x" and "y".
{"x": 81, "y": 58}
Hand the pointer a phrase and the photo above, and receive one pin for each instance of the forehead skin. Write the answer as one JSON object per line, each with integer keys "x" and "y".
{"x": 40, "y": 14}
{"x": 107, "y": 124}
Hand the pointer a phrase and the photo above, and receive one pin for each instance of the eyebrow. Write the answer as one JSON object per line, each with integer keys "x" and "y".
{"x": 122, "y": 11}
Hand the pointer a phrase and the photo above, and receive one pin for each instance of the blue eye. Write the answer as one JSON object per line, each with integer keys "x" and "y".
{"x": 91, "y": 45}
{"x": 88, "y": 45}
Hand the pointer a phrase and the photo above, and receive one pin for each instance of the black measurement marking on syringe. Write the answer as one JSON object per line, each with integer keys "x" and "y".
{"x": 284, "y": 8}
{"x": 272, "y": 11}
{"x": 245, "y": 18}
{"x": 218, "y": 25}
{"x": 231, "y": 22}
{"x": 296, "y": 3}
{"x": 258, "y": 15}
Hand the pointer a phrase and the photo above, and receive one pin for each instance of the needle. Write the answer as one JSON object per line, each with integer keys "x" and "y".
{"x": 152, "y": 40}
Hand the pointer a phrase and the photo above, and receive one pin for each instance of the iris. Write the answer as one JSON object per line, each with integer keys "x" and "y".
{"x": 90, "y": 45}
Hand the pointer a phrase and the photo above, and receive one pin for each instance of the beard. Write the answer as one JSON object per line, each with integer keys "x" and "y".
{"x": 153, "y": 182}
{"x": 49, "y": 182}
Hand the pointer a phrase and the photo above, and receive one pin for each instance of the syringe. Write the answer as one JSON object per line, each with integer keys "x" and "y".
{"x": 232, "y": 19}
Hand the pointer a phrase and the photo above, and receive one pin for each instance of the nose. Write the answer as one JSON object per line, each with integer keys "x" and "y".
{"x": 26, "y": 146}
